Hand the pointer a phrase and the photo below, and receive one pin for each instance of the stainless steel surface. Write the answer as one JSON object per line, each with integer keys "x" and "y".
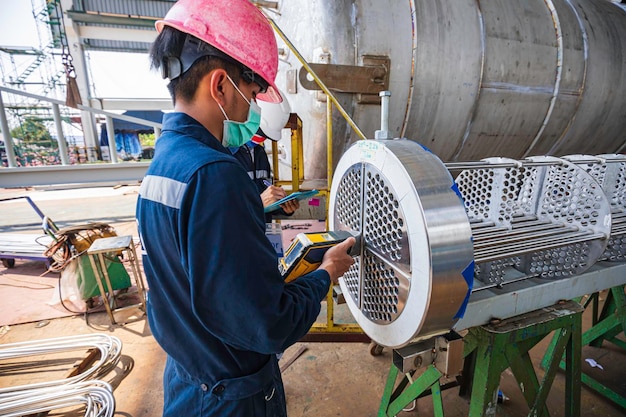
{"x": 123, "y": 172}
{"x": 610, "y": 172}
{"x": 416, "y": 240}
{"x": 504, "y": 225}
{"x": 544, "y": 216}
{"x": 414, "y": 356}
{"x": 109, "y": 347}
{"x": 323, "y": 33}
{"x": 469, "y": 80}
{"x": 94, "y": 398}
{"x": 449, "y": 354}
{"x": 526, "y": 295}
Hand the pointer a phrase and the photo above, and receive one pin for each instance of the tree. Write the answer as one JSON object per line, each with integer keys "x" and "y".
{"x": 32, "y": 131}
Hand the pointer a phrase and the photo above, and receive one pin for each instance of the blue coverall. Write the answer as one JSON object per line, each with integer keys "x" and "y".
{"x": 253, "y": 158}
{"x": 216, "y": 303}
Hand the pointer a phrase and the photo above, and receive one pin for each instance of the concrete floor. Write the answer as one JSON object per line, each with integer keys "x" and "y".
{"x": 328, "y": 379}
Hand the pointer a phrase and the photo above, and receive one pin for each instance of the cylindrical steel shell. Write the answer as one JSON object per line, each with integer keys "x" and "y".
{"x": 469, "y": 79}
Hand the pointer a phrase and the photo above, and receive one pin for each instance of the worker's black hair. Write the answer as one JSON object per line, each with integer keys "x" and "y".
{"x": 169, "y": 43}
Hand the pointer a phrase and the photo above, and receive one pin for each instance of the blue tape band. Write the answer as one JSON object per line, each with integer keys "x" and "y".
{"x": 468, "y": 275}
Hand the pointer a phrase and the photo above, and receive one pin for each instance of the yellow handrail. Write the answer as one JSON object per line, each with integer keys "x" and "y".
{"x": 329, "y": 326}
{"x": 319, "y": 82}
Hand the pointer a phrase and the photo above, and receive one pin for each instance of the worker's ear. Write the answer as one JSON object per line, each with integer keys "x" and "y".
{"x": 217, "y": 81}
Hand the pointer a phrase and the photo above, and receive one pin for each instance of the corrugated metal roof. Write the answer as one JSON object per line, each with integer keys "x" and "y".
{"x": 136, "y": 12}
{"x": 116, "y": 46}
{"x": 146, "y": 8}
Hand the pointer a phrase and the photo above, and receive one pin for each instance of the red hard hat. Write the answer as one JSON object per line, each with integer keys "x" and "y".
{"x": 235, "y": 27}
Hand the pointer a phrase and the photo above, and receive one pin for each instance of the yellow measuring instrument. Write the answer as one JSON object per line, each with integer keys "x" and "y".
{"x": 305, "y": 253}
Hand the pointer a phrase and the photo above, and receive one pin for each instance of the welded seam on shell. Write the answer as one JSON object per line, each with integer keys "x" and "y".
{"x": 585, "y": 39}
{"x": 559, "y": 73}
{"x": 483, "y": 42}
{"x": 411, "y": 89}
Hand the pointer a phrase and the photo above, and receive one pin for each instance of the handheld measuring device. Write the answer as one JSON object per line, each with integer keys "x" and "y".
{"x": 305, "y": 253}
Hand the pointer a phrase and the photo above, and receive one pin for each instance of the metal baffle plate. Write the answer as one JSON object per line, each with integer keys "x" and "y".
{"x": 610, "y": 171}
{"x": 545, "y": 216}
{"x": 567, "y": 194}
{"x": 410, "y": 281}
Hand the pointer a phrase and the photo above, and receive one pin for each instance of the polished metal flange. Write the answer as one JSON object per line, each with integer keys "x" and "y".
{"x": 414, "y": 275}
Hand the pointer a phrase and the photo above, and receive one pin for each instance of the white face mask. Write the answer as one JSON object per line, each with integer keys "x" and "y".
{"x": 237, "y": 133}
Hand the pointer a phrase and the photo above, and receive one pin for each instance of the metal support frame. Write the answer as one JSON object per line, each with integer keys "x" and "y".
{"x": 606, "y": 325}
{"x": 297, "y": 153}
{"x": 498, "y": 346}
{"x": 319, "y": 331}
{"x": 96, "y": 253}
{"x": 491, "y": 349}
{"x": 111, "y": 139}
{"x": 325, "y": 330}
{"x": 62, "y": 144}
{"x": 395, "y": 400}
{"x": 330, "y": 327}
{"x": 6, "y": 135}
{"x": 14, "y": 176}
{"x": 294, "y": 124}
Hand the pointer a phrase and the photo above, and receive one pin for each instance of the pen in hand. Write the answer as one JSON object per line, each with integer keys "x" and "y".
{"x": 274, "y": 193}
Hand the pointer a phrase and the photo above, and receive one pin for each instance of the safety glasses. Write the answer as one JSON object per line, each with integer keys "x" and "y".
{"x": 193, "y": 50}
{"x": 250, "y": 76}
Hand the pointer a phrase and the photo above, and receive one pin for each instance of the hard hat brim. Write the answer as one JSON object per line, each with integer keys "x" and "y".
{"x": 271, "y": 95}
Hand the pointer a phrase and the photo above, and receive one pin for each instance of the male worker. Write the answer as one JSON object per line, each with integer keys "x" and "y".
{"x": 217, "y": 303}
{"x": 252, "y": 156}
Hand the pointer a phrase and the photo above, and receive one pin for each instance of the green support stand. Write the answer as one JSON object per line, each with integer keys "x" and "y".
{"x": 606, "y": 325}
{"x": 394, "y": 400}
{"x": 498, "y": 346}
{"x": 491, "y": 349}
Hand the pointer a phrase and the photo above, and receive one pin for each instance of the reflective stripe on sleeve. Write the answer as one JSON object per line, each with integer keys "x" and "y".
{"x": 162, "y": 190}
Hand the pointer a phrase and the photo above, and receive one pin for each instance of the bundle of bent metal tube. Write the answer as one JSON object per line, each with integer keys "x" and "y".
{"x": 95, "y": 396}
{"x": 82, "y": 389}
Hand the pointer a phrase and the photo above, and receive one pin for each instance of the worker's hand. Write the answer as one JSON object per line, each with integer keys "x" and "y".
{"x": 336, "y": 260}
{"x": 272, "y": 194}
{"x": 290, "y": 206}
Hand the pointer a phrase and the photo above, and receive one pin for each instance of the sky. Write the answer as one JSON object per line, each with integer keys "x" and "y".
{"x": 17, "y": 22}
{"x": 112, "y": 74}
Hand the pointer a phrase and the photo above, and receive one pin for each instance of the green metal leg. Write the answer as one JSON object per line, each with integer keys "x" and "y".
{"x": 394, "y": 401}
{"x": 562, "y": 338}
{"x": 522, "y": 368}
{"x": 507, "y": 345}
{"x": 437, "y": 400}
{"x": 612, "y": 319}
{"x": 573, "y": 358}
{"x": 609, "y": 323}
{"x": 391, "y": 381}
{"x": 489, "y": 366}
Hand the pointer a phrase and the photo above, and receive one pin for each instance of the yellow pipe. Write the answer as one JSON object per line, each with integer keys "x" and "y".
{"x": 339, "y": 328}
{"x": 330, "y": 325}
{"x": 329, "y": 152}
{"x": 295, "y": 162}
{"x": 275, "y": 162}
